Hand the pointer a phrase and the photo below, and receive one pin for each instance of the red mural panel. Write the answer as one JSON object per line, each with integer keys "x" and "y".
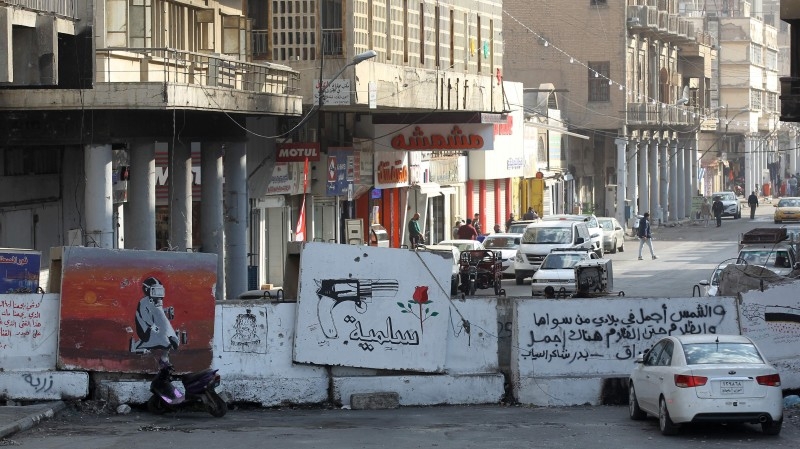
{"x": 121, "y": 309}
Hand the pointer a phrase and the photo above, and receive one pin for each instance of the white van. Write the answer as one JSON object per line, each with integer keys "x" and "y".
{"x": 539, "y": 238}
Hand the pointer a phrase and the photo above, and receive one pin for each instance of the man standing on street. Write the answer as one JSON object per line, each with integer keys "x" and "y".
{"x": 645, "y": 236}
{"x": 792, "y": 185}
{"x": 530, "y": 215}
{"x": 467, "y": 231}
{"x": 414, "y": 232}
{"x": 476, "y": 223}
{"x": 716, "y": 208}
{"x": 752, "y": 201}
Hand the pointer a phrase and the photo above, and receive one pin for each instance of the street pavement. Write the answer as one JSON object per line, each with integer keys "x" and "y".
{"x": 90, "y": 424}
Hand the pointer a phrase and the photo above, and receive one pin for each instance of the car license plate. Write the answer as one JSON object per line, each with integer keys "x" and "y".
{"x": 731, "y": 387}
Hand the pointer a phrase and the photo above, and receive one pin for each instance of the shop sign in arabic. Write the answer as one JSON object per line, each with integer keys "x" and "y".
{"x": 592, "y": 339}
{"x": 334, "y": 93}
{"x": 435, "y": 137}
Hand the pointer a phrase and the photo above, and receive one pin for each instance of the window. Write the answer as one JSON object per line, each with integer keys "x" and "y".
{"x": 756, "y": 54}
{"x": 599, "y": 73}
{"x": 755, "y": 100}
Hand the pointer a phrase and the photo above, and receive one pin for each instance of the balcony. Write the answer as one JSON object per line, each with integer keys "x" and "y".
{"x": 63, "y": 8}
{"x": 647, "y": 114}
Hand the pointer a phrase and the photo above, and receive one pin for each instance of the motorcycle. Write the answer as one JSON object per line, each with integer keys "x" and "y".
{"x": 198, "y": 387}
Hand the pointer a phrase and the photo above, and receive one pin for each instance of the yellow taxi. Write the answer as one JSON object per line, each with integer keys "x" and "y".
{"x": 787, "y": 209}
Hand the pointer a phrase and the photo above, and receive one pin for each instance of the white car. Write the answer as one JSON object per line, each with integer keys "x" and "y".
{"x": 730, "y": 203}
{"x": 613, "y": 235}
{"x": 595, "y": 231}
{"x": 463, "y": 245}
{"x": 710, "y": 287}
{"x": 558, "y": 271}
{"x": 507, "y": 245}
{"x": 706, "y": 378}
{"x": 448, "y": 252}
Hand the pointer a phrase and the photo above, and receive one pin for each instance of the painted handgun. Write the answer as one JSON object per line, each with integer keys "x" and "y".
{"x": 358, "y": 291}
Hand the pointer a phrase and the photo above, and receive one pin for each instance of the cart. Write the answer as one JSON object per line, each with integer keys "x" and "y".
{"x": 480, "y": 269}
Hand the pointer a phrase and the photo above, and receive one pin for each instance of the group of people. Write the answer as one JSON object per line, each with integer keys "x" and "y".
{"x": 470, "y": 229}
{"x": 716, "y": 208}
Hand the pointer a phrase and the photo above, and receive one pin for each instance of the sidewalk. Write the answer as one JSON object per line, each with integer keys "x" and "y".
{"x": 16, "y": 418}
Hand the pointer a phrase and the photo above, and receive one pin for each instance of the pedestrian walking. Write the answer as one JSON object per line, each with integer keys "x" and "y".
{"x": 467, "y": 231}
{"x": 645, "y": 236}
{"x": 793, "y": 186}
{"x": 414, "y": 233}
{"x": 716, "y": 208}
{"x": 752, "y": 201}
{"x": 705, "y": 211}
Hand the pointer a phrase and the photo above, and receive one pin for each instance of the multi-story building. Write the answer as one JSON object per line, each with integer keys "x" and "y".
{"x": 102, "y": 100}
{"x": 405, "y": 129}
{"x": 633, "y": 76}
{"x": 790, "y": 85}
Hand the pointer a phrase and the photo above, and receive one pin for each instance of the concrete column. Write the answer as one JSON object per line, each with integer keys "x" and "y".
{"x": 622, "y": 145}
{"x": 180, "y": 196}
{"x": 211, "y": 224}
{"x": 140, "y": 210}
{"x": 236, "y": 215}
{"x": 6, "y": 41}
{"x": 631, "y": 193}
{"x": 690, "y": 162}
{"x": 47, "y": 40}
{"x": 673, "y": 181}
{"x": 793, "y": 152}
{"x": 749, "y": 170}
{"x": 663, "y": 178}
{"x": 644, "y": 179}
{"x": 655, "y": 206}
{"x": 683, "y": 179}
{"x": 99, "y": 196}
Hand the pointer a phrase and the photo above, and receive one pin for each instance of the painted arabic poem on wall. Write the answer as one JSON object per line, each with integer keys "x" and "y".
{"x": 583, "y": 337}
{"x": 369, "y": 307}
{"x": 28, "y": 331}
{"x": 121, "y": 309}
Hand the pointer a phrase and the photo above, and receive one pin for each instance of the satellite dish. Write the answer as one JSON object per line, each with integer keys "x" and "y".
{"x": 685, "y": 97}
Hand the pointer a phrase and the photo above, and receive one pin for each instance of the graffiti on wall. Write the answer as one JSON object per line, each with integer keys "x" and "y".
{"x": 566, "y": 338}
{"x": 247, "y": 332}
{"x": 120, "y": 309}
{"x": 772, "y": 319}
{"x": 28, "y": 331}
{"x": 351, "y": 313}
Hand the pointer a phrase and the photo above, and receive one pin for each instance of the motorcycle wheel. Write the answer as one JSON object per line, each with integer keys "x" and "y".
{"x": 156, "y": 405}
{"x": 215, "y": 405}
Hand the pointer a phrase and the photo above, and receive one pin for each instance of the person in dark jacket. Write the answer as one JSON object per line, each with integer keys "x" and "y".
{"x": 645, "y": 236}
{"x": 717, "y": 208}
{"x": 752, "y": 201}
{"x": 467, "y": 231}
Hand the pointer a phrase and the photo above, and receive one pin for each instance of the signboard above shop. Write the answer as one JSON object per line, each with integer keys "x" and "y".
{"x": 435, "y": 137}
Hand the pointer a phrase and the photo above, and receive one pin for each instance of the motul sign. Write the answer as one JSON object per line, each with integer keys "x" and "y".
{"x": 298, "y": 152}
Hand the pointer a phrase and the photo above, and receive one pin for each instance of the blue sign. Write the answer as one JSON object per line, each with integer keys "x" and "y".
{"x": 337, "y": 172}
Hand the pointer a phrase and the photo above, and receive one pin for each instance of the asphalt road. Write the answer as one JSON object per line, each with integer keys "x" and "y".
{"x": 687, "y": 253}
{"x": 448, "y": 427}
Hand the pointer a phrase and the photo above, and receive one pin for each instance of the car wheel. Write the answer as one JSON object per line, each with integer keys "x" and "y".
{"x": 635, "y": 412}
{"x": 772, "y": 427}
{"x": 519, "y": 279}
{"x": 664, "y": 421}
{"x": 622, "y": 247}
{"x": 614, "y": 247}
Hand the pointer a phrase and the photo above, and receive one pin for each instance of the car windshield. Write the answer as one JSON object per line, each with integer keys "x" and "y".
{"x": 556, "y": 261}
{"x": 606, "y": 224}
{"x": 766, "y": 258}
{"x": 726, "y": 196}
{"x": 501, "y": 242}
{"x": 713, "y": 353}
{"x": 788, "y": 203}
{"x": 547, "y": 235}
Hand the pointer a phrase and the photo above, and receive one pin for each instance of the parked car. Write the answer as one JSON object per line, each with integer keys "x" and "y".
{"x": 595, "y": 231}
{"x": 787, "y": 209}
{"x": 613, "y": 235}
{"x": 731, "y": 205}
{"x": 518, "y": 227}
{"x": 463, "y": 245}
{"x": 706, "y": 378}
{"x": 558, "y": 271}
{"x": 540, "y": 238}
{"x": 507, "y": 245}
{"x": 710, "y": 287}
{"x": 448, "y": 252}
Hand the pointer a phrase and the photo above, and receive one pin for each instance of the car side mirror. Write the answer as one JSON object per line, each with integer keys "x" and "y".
{"x": 704, "y": 283}
{"x": 579, "y": 240}
{"x": 617, "y": 228}
{"x": 639, "y": 358}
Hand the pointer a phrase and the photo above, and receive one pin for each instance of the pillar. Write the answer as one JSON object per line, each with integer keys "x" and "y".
{"x": 6, "y": 41}
{"x": 652, "y": 169}
{"x": 663, "y": 179}
{"x": 235, "y": 221}
{"x": 622, "y": 145}
{"x": 793, "y": 152}
{"x": 690, "y": 164}
{"x": 180, "y": 196}
{"x": 99, "y": 196}
{"x": 644, "y": 179}
{"x": 683, "y": 181}
{"x": 633, "y": 178}
{"x": 212, "y": 230}
{"x": 749, "y": 169}
{"x": 673, "y": 181}
{"x": 140, "y": 210}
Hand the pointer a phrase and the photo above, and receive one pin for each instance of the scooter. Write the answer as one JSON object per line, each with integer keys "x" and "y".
{"x": 198, "y": 387}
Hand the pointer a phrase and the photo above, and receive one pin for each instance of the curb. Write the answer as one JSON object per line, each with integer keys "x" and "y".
{"x": 36, "y": 414}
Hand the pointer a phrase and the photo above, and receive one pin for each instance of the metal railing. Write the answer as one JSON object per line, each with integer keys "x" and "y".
{"x": 332, "y": 42}
{"x": 658, "y": 114}
{"x": 65, "y": 8}
{"x": 127, "y": 65}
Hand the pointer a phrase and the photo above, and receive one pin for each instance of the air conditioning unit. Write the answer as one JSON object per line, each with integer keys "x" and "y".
{"x": 593, "y": 277}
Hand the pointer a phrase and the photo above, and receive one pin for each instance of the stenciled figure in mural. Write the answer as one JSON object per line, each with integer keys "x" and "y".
{"x": 332, "y": 292}
{"x": 245, "y": 338}
{"x": 152, "y": 322}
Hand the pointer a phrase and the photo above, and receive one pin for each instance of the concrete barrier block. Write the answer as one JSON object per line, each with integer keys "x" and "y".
{"x": 374, "y": 401}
